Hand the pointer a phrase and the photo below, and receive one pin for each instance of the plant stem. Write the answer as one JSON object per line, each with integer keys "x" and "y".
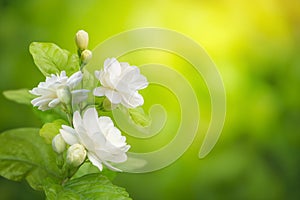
{"x": 68, "y": 110}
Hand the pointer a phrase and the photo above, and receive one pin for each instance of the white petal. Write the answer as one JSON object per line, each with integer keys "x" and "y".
{"x": 107, "y": 62}
{"x": 115, "y": 138}
{"x": 62, "y": 74}
{"x": 134, "y": 79}
{"x": 69, "y": 135}
{"x": 40, "y": 91}
{"x": 112, "y": 154}
{"x": 111, "y": 167}
{"x": 95, "y": 161}
{"x": 122, "y": 86}
{"x": 125, "y": 148}
{"x": 86, "y": 140}
{"x": 40, "y": 101}
{"x": 99, "y": 91}
{"x": 98, "y": 140}
{"x": 132, "y": 100}
{"x": 139, "y": 82}
{"x": 43, "y": 107}
{"x": 129, "y": 72}
{"x": 124, "y": 65}
{"x": 77, "y": 121}
{"x": 105, "y": 79}
{"x": 120, "y": 158}
{"x": 54, "y": 103}
{"x": 113, "y": 96}
{"x": 33, "y": 92}
{"x": 97, "y": 74}
{"x": 74, "y": 79}
{"x": 105, "y": 123}
{"x": 112, "y": 66}
{"x": 90, "y": 121}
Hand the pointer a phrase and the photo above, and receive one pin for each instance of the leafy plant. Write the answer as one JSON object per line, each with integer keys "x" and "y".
{"x": 72, "y": 155}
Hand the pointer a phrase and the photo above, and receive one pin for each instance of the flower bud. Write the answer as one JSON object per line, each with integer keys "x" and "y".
{"x": 58, "y": 144}
{"x": 86, "y": 56}
{"x": 76, "y": 155}
{"x": 82, "y": 39}
{"x": 64, "y": 95}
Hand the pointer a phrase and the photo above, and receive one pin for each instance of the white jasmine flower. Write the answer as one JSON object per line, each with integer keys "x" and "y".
{"x": 86, "y": 56}
{"x": 56, "y": 89}
{"x": 120, "y": 83}
{"x": 76, "y": 155}
{"x": 58, "y": 144}
{"x": 102, "y": 140}
{"x": 64, "y": 94}
{"x": 82, "y": 39}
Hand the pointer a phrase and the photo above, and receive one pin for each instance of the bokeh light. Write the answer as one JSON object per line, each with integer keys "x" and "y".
{"x": 256, "y": 47}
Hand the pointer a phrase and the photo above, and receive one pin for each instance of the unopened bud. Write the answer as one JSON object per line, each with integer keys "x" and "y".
{"x": 58, "y": 144}
{"x": 82, "y": 39}
{"x": 76, "y": 155}
{"x": 64, "y": 95}
{"x": 86, "y": 56}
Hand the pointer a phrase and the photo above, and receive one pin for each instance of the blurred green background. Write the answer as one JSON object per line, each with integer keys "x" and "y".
{"x": 256, "y": 46}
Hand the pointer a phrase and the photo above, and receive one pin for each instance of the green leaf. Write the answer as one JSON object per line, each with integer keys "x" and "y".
{"x": 49, "y": 116}
{"x": 111, "y": 175}
{"x": 25, "y": 155}
{"x": 85, "y": 168}
{"x": 51, "y": 59}
{"x": 89, "y": 80}
{"x": 89, "y": 168}
{"x": 90, "y": 187}
{"x": 72, "y": 64}
{"x": 139, "y": 117}
{"x": 21, "y": 96}
{"x": 50, "y": 130}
